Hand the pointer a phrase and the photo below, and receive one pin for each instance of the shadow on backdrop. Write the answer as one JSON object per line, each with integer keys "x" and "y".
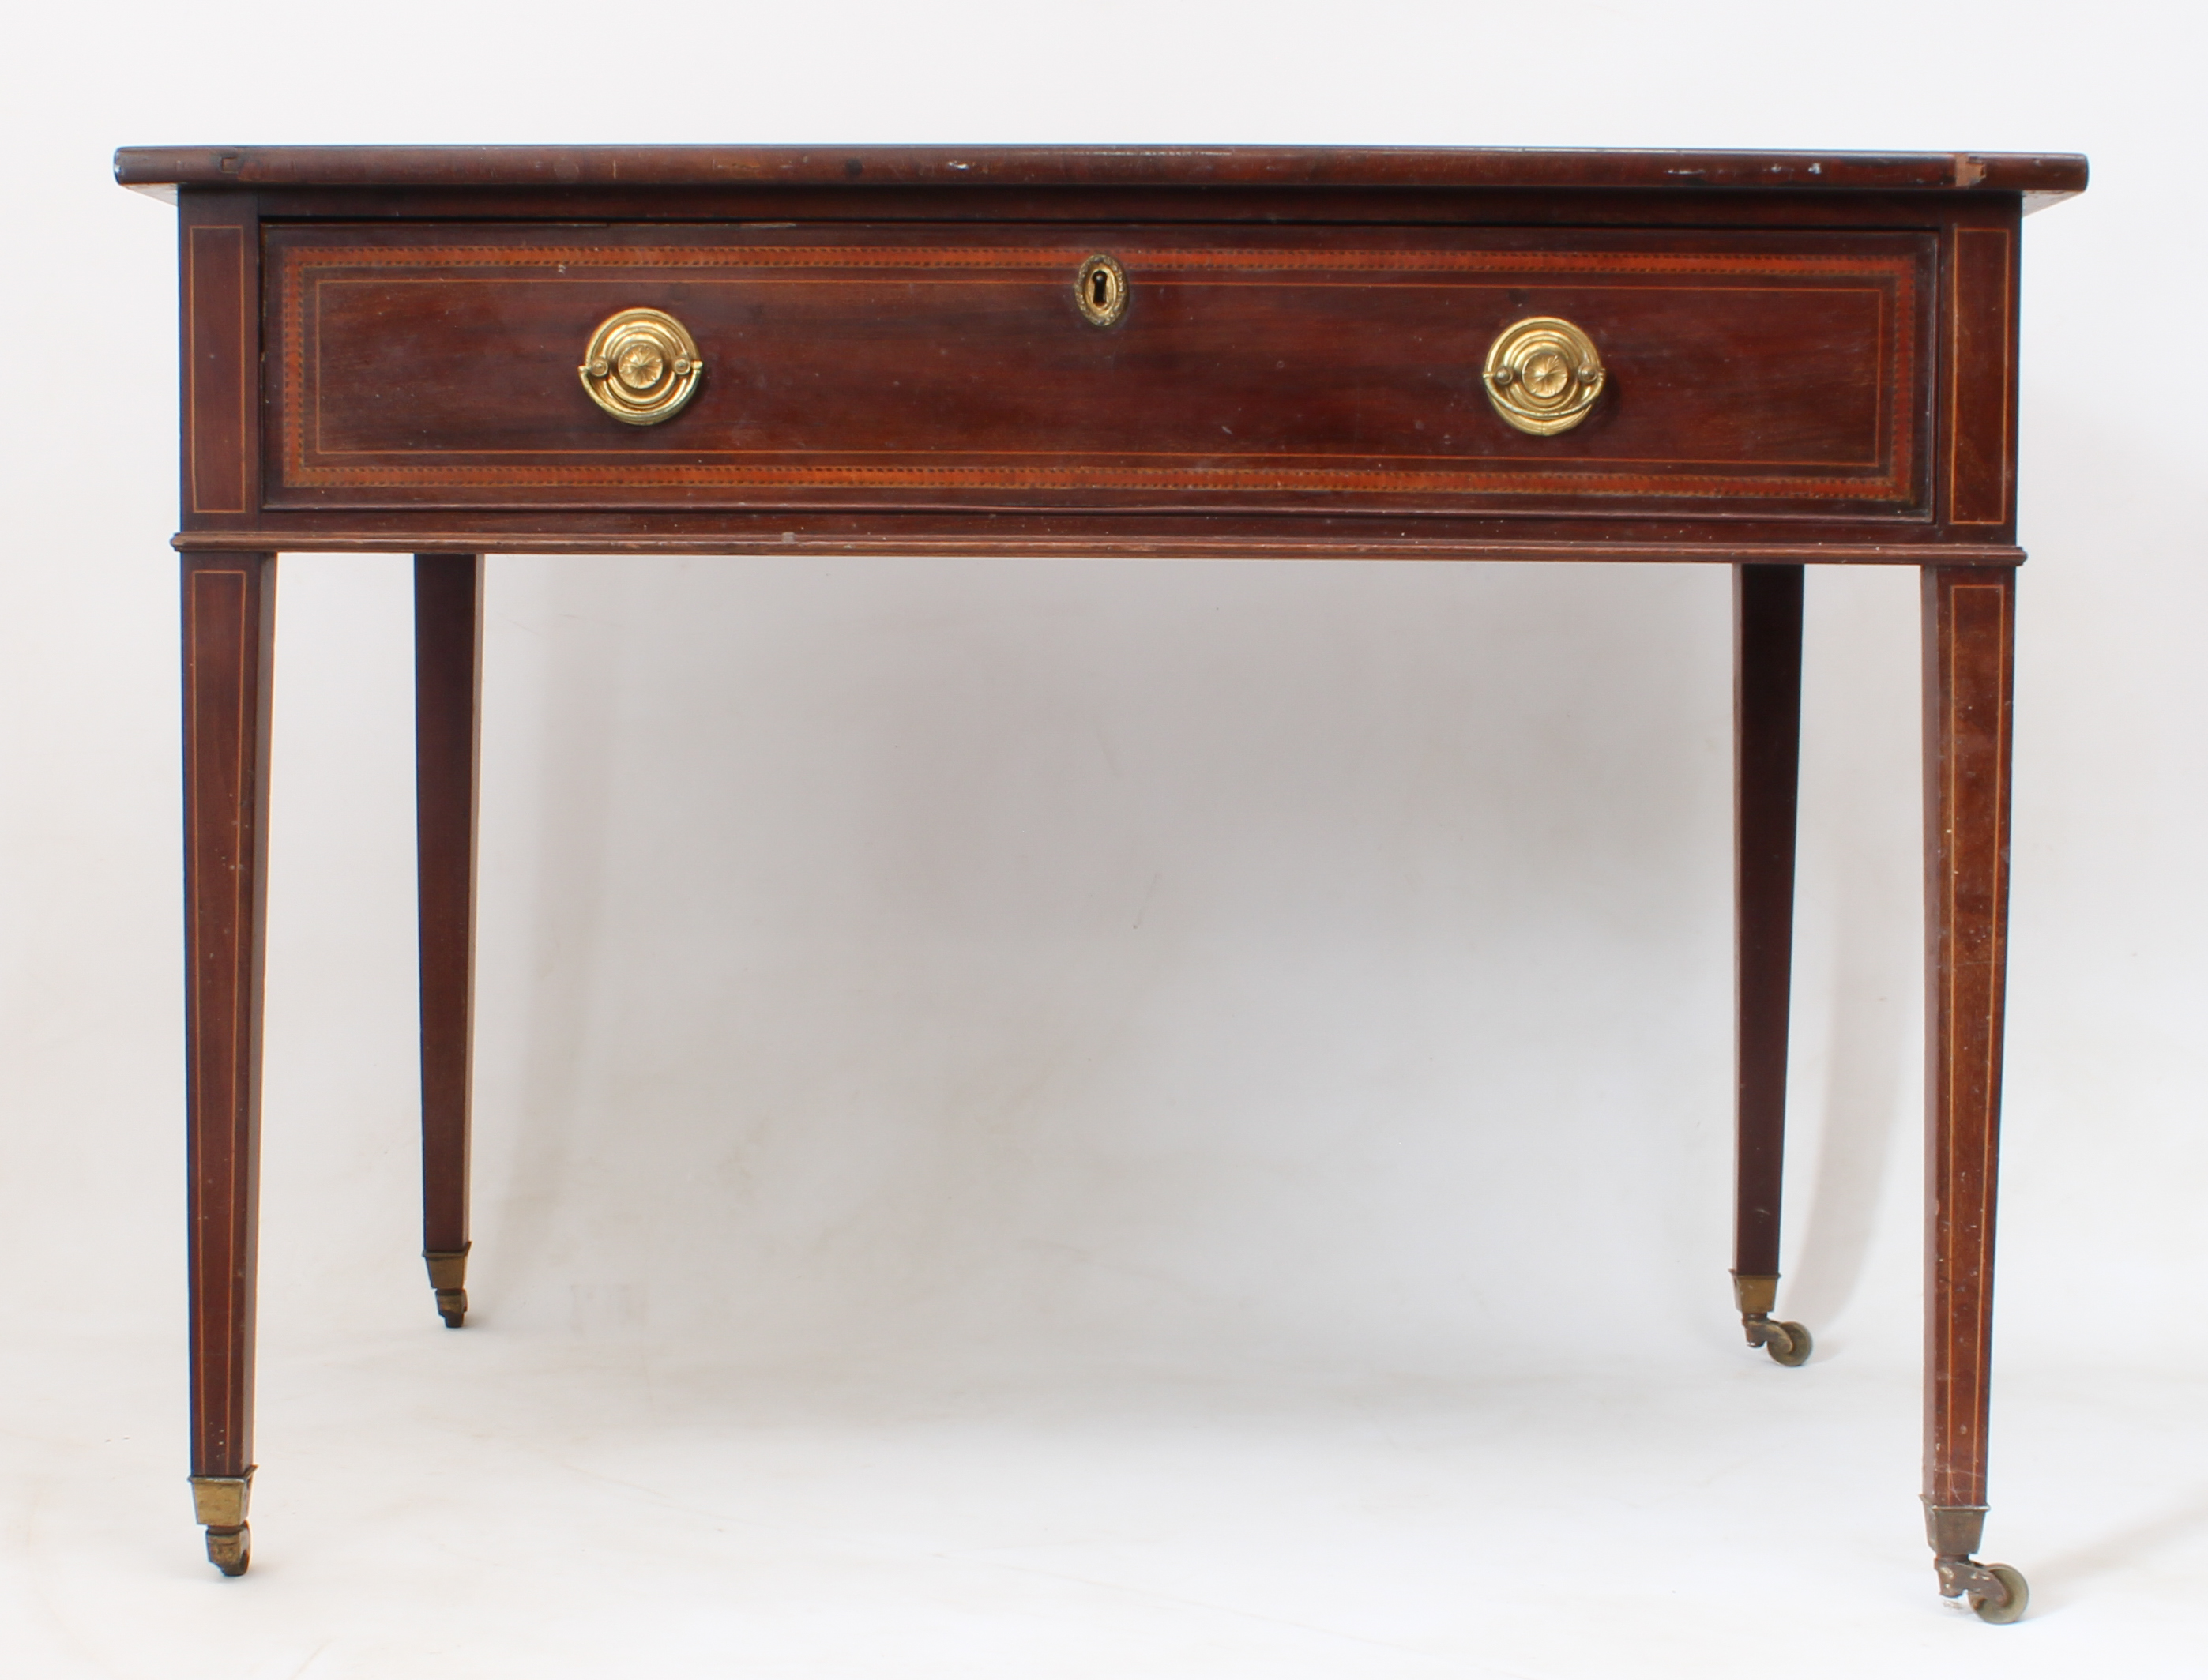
{"x": 565, "y": 696}
{"x": 848, "y": 1019}
{"x": 1858, "y": 892}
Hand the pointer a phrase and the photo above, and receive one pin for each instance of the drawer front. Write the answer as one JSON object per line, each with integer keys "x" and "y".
{"x": 436, "y": 365}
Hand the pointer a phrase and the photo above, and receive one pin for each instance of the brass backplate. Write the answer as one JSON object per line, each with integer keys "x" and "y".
{"x": 641, "y": 367}
{"x": 1101, "y": 291}
{"x": 1542, "y": 374}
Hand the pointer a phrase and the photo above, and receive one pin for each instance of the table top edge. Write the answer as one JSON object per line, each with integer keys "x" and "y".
{"x": 2040, "y": 176}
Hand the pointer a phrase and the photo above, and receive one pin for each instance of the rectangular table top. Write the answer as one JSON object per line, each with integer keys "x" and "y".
{"x": 2041, "y": 177}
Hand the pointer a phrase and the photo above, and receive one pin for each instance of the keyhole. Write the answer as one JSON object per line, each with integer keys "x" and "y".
{"x": 1101, "y": 291}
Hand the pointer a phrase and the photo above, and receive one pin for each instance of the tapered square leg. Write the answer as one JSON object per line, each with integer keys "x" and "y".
{"x": 448, "y": 691}
{"x": 1969, "y": 658}
{"x": 228, "y": 620}
{"x": 1766, "y": 760}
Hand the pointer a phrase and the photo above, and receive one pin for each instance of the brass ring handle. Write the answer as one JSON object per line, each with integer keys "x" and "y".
{"x": 641, "y": 367}
{"x": 1542, "y": 374}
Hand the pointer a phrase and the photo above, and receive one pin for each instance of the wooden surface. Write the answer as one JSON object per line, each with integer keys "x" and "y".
{"x": 631, "y": 168}
{"x": 1809, "y": 359}
{"x": 229, "y": 609}
{"x": 1969, "y": 642}
{"x": 1277, "y": 370}
{"x": 1766, "y": 758}
{"x": 447, "y": 686}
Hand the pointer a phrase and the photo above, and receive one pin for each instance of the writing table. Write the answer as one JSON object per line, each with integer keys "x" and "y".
{"x": 1760, "y": 360}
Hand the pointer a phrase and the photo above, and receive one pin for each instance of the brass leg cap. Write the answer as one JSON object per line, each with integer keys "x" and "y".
{"x": 448, "y": 1277}
{"x": 231, "y": 1549}
{"x": 1754, "y": 1294}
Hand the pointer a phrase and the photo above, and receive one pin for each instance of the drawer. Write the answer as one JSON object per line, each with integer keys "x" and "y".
{"x": 436, "y": 364}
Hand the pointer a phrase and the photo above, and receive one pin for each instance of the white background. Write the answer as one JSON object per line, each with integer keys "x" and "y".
{"x": 1054, "y": 1119}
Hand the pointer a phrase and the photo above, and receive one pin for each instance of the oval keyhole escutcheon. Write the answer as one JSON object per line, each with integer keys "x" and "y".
{"x": 1101, "y": 289}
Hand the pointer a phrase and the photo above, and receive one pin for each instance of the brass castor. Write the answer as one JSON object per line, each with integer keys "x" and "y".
{"x": 1754, "y": 1293}
{"x": 219, "y": 1505}
{"x": 1787, "y": 1342}
{"x": 1994, "y": 1592}
{"x": 448, "y": 1277}
{"x": 231, "y": 1549}
{"x": 2009, "y": 1608}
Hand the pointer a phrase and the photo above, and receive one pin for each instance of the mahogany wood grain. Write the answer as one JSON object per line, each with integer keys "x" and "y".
{"x": 887, "y": 365}
{"x": 1725, "y": 428}
{"x": 228, "y": 618}
{"x": 448, "y": 686}
{"x": 1158, "y": 205}
{"x": 1766, "y": 756}
{"x": 219, "y": 263}
{"x": 1980, "y": 466}
{"x": 638, "y": 168}
{"x": 1015, "y": 533}
{"x": 1969, "y": 639}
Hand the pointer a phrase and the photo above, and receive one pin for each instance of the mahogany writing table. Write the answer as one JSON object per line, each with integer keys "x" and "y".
{"x": 1759, "y": 360}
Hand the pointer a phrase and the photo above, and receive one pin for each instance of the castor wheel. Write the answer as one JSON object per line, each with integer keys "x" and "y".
{"x": 231, "y": 1549}
{"x": 2010, "y": 1609}
{"x": 1791, "y": 1345}
{"x": 1787, "y": 1341}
